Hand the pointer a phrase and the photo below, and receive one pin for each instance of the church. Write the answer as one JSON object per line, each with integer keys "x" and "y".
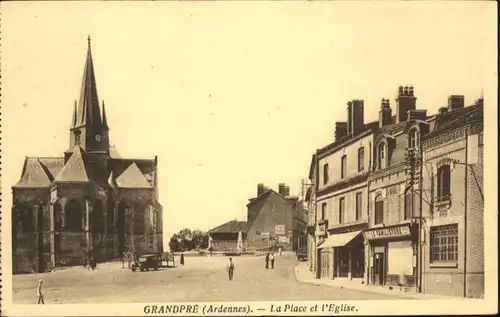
{"x": 89, "y": 200}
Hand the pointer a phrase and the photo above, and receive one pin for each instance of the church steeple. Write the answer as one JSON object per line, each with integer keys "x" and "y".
{"x": 88, "y": 105}
{"x": 89, "y": 127}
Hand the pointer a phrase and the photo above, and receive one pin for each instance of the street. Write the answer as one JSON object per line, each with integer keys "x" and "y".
{"x": 200, "y": 279}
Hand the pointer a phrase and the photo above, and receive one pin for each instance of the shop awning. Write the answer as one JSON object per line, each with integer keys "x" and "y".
{"x": 339, "y": 240}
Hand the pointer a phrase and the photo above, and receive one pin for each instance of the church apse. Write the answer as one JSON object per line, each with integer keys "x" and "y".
{"x": 89, "y": 200}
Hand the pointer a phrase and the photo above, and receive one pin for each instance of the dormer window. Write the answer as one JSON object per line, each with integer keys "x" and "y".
{"x": 413, "y": 139}
{"x": 382, "y": 155}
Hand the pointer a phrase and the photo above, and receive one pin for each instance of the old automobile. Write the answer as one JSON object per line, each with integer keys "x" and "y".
{"x": 146, "y": 262}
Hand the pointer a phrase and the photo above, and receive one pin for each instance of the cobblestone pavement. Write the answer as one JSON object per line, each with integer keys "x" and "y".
{"x": 200, "y": 279}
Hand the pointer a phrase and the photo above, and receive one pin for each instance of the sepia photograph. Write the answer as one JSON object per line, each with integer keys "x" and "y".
{"x": 248, "y": 158}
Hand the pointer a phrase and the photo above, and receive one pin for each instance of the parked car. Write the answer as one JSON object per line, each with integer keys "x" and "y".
{"x": 146, "y": 262}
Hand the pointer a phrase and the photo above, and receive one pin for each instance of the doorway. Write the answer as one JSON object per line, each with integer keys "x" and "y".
{"x": 379, "y": 269}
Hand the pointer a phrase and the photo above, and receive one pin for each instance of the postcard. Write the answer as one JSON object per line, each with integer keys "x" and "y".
{"x": 261, "y": 158}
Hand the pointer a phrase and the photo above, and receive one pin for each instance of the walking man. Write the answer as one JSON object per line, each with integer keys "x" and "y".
{"x": 267, "y": 260}
{"x": 280, "y": 250}
{"x": 230, "y": 268}
{"x": 39, "y": 293}
{"x": 271, "y": 257}
{"x": 182, "y": 258}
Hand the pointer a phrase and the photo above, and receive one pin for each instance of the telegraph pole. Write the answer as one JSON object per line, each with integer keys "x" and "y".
{"x": 411, "y": 165}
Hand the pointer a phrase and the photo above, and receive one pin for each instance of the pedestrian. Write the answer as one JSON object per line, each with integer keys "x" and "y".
{"x": 182, "y": 258}
{"x": 271, "y": 257}
{"x": 39, "y": 293}
{"x": 230, "y": 269}
{"x": 267, "y": 260}
{"x": 280, "y": 250}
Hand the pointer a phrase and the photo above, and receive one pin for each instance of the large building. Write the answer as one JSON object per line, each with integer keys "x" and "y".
{"x": 418, "y": 200}
{"x": 453, "y": 245}
{"x": 341, "y": 197}
{"x": 275, "y": 219}
{"x": 89, "y": 200}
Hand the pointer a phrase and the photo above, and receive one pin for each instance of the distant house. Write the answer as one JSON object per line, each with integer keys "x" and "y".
{"x": 225, "y": 236}
{"x": 275, "y": 219}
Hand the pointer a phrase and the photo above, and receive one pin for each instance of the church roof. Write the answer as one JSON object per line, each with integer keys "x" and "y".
{"x": 113, "y": 153}
{"x": 34, "y": 174}
{"x": 88, "y": 105}
{"x": 74, "y": 171}
{"x": 132, "y": 177}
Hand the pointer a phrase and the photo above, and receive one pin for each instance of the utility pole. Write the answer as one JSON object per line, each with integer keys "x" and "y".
{"x": 411, "y": 166}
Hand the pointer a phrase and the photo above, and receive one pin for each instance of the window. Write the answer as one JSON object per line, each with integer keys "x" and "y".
{"x": 381, "y": 156}
{"x": 341, "y": 210}
{"x": 413, "y": 139}
{"x": 325, "y": 174}
{"x": 359, "y": 204}
{"x": 323, "y": 211}
{"x": 74, "y": 216}
{"x": 443, "y": 183}
{"x": 379, "y": 210}
{"x": 444, "y": 243}
{"x": 361, "y": 159}
{"x": 343, "y": 166}
{"x": 408, "y": 212}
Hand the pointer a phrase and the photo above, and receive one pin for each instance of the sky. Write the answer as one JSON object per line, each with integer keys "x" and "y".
{"x": 229, "y": 95}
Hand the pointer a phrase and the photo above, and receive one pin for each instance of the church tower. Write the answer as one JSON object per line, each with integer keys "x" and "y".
{"x": 89, "y": 128}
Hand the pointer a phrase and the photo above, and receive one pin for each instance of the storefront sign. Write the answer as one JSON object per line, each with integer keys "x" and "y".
{"x": 387, "y": 233}
{"x": 264, "y": 235}
{"x": 283, "y": 239}
{"x": 279, "y": 229}
{"x": 321, "y": 230}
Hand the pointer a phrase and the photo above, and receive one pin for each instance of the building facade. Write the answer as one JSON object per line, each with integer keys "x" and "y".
{"x": 393, "y": 237}
{"x": 453, "y": 175}
{"x": 225, "y": 237}
{"x": 310, "y": 200}
{"x": 275, "y": 219}
{"x": 341, "y": 198}
{"x": 88, "y": 201}
{"x": 422, "y": 222}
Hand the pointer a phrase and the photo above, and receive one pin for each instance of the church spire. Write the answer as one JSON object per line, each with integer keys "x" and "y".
{"x": 104, "y": 121}
{"x": 88, "y": 105}
{"x": 73, "y": 122}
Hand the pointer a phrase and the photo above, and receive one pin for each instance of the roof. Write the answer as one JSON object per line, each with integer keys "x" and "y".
{"x": 269, "y": 191}
{"x": 113, "y": 153}
{"x": 74, "y": 171}
{"x": 88, "y": 105}
{"x": 312, "y": 166}
{"x": 33, "y": 175}
{"x": 233, "y": 226}
{"x": 456, "y": 118}
{"x": 132, "y": 177}
{"x": 53, "y": 165}
{"x": 370, "y": 127}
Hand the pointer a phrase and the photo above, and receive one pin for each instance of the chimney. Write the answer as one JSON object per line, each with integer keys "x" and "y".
{"x": 443, "y": 110}
{"x": 358, "y": 117}
{"x": 417, "y": 115}
{"x": 349, "y": 118}
{"x": 287, "y": 191}
{"x": 340, "y": 130}
{"x": 281, "y": 189}
{"x": 385, "y": 113}
{"x": 260, "y": 189}
{"x": 406, "y": 101}
{"x": 455, "y": 102}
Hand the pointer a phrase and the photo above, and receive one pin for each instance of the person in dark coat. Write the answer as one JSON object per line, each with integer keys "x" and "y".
{"x": 182, "y": 258}
{"x": 267, "y": 260}
{"x": 271, "y": 257}
{"x": 230, "y": 269}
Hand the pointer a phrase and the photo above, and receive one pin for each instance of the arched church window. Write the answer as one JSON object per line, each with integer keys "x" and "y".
{"x": 98, "y": 217}
{"x": 58, "y": 217}
{"x": 74, "y": 216}
{"x": 26, "y": 219}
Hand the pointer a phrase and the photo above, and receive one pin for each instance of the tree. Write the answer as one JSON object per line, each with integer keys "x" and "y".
{"x": 187, "y": 239}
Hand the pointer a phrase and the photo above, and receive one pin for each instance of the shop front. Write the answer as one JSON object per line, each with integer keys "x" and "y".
{"x": 344, "y": 253}
{"x": 392, "y": 255}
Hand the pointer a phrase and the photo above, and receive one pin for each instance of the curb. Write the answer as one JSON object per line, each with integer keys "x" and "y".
{"x": 370, "y": 290}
